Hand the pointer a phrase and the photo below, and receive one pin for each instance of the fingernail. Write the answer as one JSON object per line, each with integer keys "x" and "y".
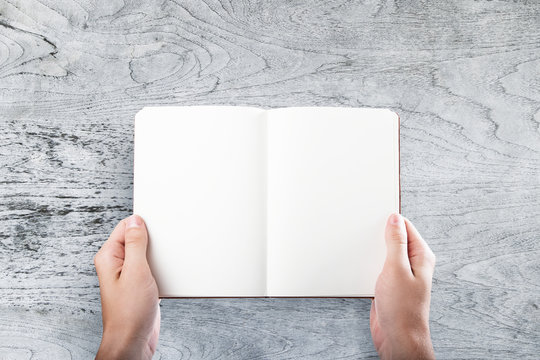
{"x": 133, "y": 221}
{"x": 395, "y": 219}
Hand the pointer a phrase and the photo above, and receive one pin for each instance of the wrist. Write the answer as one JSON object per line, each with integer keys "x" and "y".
{"x": 420, "y": 345}
{"x": 413, "y": 343}
{"x": 118, "y": 347}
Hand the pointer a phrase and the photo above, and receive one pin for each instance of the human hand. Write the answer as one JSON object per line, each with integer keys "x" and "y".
{"x": 399, "y": 318}
{"x": 129, "y": 294}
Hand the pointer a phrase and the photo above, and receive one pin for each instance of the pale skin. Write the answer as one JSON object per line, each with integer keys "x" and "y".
{"x": 399, "y": 318}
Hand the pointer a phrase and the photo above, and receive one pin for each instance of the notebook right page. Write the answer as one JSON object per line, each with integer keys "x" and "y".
{"x": 332, "y": 181}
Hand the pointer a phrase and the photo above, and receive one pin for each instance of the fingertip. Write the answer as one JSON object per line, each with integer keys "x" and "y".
{"x": 395, "y": 229}
{"x": 136, "y": 240}
{"x": 396, "y": 223}
{"x": 396, "y": 242}
{"x": 394, "y": 219}
{"x": 134, "y": 221}
{"x": 135, "y": 228}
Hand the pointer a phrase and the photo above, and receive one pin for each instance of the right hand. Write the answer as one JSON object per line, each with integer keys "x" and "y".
{"x": 399, "y": 318}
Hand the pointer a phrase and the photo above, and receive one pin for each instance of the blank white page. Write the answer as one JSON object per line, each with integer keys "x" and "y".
{"x": 333, "y": 179}
{"x": 199, "y": 183}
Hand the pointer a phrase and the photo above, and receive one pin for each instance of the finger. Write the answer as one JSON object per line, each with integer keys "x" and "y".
{"x": 136, "y": 241}
{"x": 420, "y": 255}
{"x": 372, "y": 315}
{"x": 109, "y": 259}
{"x": 374, "y": 325}
{"x": 153, "y": 342}
{"x": 396, "y": 242}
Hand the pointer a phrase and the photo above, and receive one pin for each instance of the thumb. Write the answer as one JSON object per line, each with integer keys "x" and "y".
{"x": 396, "y": 241}
{"x": 136, "y": 241}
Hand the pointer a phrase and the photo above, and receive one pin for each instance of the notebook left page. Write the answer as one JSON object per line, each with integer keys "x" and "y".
{"x": 199, "y": 183}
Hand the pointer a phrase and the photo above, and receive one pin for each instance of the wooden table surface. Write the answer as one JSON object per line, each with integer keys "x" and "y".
{"x": 463, "y": 75}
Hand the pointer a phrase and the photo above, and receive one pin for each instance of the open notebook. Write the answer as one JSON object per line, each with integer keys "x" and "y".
{"x": 247, "y": 202}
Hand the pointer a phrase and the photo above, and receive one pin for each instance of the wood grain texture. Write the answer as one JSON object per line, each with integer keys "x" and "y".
{"x": 463, "y": 75}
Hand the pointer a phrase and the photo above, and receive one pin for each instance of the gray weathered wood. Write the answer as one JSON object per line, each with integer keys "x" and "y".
{"x": 463, "y": 75}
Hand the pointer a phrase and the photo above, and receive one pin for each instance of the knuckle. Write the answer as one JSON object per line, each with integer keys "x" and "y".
{"x": 427, "y": 258}
{"x": 430, "y": 258}
{"x": 424, "y": 286}
{"x": 397, "y": 236}
{"x": 98, "y": 259}
{"x": 102, "y": 257}
{"x": 134, "y": 233}
{"x": 134, "y": 236}
{"x": 396, "y": 269}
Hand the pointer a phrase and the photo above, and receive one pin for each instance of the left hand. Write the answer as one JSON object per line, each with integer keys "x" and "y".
{"x": 129, "y": 294}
